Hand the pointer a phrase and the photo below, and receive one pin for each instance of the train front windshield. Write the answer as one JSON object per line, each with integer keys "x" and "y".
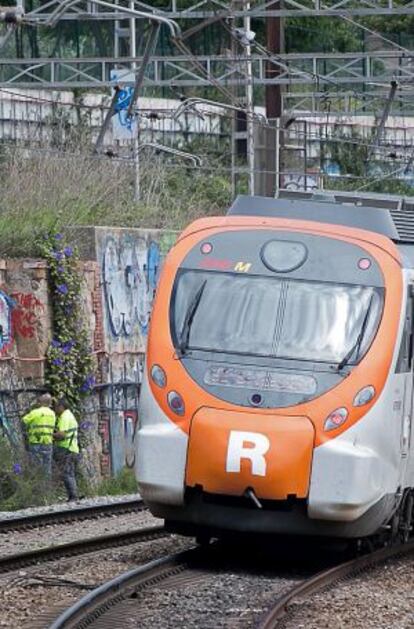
{"x": 273, "y": 317}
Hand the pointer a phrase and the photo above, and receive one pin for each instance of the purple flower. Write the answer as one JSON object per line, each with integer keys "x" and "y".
{"x": 55, "y": 343}
{"x": 68, "y": 251}
{"x": 58, "y": 255}
{"x": 62, "y": 289}
{"x": 60, "y": 269}
{"x": 68, "y": 346}
{"x": 86, "y": 425}
{"x": 17, "y": 468}
{"x": 57, "y": 362}
{"x": 88, "y": 384}
{"x": 58, "y": 236}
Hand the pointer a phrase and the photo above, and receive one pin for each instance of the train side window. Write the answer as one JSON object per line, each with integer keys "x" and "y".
{"x": 405, "y": 356}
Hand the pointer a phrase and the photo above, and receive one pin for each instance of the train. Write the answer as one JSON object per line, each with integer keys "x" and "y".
{"x": 277, "y": 394}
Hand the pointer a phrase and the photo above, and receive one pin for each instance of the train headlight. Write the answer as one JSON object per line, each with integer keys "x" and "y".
{"x": 364, "y": 396}
{"x": 158, "y": 376}
{"x": 176, "y": 403}
{"x": 336, "y": 419}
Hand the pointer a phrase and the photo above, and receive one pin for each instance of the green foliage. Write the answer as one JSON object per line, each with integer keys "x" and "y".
{"x": 326, "y": 34}
{"x": 349, "y": 151}
{"x": 393, "y": 26}
{"x": 378, "y": 185}
{"x": 69, "y": 366}
{"x": 49, "y": 191}
{"x": 21, "y": 485}
{"x": 123, "y": 483}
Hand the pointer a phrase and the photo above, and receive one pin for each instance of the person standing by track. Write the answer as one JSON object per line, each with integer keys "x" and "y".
{"x": 39, "y": 425}
{"x": 67, "y": 447}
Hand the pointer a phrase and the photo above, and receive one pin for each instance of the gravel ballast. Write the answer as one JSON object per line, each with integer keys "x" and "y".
{"x": 234, "y": 592}
{"x": 21, "y": 541}
{"x": 26, "y": 601}
{"x": 67, "y": 506}
{"x": 382, "y": 598}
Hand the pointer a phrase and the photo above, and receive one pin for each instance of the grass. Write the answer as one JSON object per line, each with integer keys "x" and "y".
{"x": 52, "y": 190}
{"x": 122, "y": 483}
{"x": 22, "y": 486}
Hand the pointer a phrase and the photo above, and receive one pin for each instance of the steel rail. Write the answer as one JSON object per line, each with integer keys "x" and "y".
{"x": 70, "y": 515}
{"x": 328, "y": 577}
{"x": 94, "y": 604}
{"x": 9, "y": 563}
{"x": 90, "y": 607}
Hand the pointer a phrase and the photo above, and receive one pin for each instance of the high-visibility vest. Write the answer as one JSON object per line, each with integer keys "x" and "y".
{"x": 67, "y": 423}
{"x": 40, "y": 424}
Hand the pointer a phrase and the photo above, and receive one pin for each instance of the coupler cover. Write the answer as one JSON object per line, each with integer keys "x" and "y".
{"x": 230, "y": 452}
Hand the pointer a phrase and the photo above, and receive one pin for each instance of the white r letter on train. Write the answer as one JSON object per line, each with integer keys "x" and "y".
{"x": 247, "y": 445}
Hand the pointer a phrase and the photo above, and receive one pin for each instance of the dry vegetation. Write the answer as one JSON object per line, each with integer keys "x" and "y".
{"x": 54, "y": 189}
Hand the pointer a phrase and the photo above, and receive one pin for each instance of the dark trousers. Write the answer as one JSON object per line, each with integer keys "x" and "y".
{"x": 66, "y": 465}
{"x": 41, "y": 456}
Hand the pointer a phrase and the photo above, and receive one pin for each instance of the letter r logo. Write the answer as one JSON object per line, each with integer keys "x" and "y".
{"x": 247, "y": 445}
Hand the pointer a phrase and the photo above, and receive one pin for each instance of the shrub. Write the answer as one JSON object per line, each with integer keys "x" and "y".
{"x": 21, "y": 484}
{"x": 123, "y": 483}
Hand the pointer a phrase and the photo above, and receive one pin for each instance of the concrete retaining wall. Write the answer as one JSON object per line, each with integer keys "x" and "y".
{"x": 120, "y": 269}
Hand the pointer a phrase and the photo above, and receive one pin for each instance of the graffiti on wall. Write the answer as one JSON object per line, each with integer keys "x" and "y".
{"x": 26, "y": 314}
{"x": 131, "y": 266}
{"x": 130, "y": 272}
{"x": 121, "y": 394}
{"x": 131, "y": 261}
{"x": 6, "y": 308}
{"x": 123, "y": 427}
{"x": 9, "y": 427}
{"x": 19, "y": 315}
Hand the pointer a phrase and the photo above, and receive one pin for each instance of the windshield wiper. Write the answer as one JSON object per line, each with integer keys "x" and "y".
{"x": 189, "y": 316}
{"x": 356, "y": 346}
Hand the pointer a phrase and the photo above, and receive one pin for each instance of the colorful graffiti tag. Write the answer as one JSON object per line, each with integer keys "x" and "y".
{"x": 6, "y": 307}
{"x": 130, "y": 270}
{"x": 26, "y": 314}
{"x": 123, "y": 427}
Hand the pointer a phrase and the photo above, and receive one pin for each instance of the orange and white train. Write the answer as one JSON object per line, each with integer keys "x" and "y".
{"x": 278, "y": 389}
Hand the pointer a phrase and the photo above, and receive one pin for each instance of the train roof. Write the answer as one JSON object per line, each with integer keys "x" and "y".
{"x": 388, "y": 215}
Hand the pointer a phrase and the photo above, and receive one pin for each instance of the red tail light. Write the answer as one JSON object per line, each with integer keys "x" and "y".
{"x": 336, "y": 419}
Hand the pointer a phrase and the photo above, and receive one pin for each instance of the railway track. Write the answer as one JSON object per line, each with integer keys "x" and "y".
{"x": 173, "y": 570}
{"x": 70, "y": 515}
{"x": 79, "y": 547}
{"x": 281, "y": 607}
{"x": 94, "y": 605}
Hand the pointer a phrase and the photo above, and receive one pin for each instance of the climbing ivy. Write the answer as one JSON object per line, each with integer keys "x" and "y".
{"x": 69, "y": 362}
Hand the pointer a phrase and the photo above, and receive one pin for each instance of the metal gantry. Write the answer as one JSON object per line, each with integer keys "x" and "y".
{"x": 301, "y": 74}
{"x": 208, "y": 9}
{"x": 341, "y": 102}
{"x": 330, "y": 70}
{"x": 352, "y": 83}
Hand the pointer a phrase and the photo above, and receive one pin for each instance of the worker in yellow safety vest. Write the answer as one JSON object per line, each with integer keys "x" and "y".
{"x": 39, "y": 425}
{"x": 67, "y": 448}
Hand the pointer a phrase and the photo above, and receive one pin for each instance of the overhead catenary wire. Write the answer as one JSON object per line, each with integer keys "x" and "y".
{"x": 171, "y": 114}
{"x": 271, "y": 57}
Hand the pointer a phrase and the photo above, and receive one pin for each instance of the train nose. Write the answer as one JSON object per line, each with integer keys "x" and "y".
{"x": 231, "y": 452}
